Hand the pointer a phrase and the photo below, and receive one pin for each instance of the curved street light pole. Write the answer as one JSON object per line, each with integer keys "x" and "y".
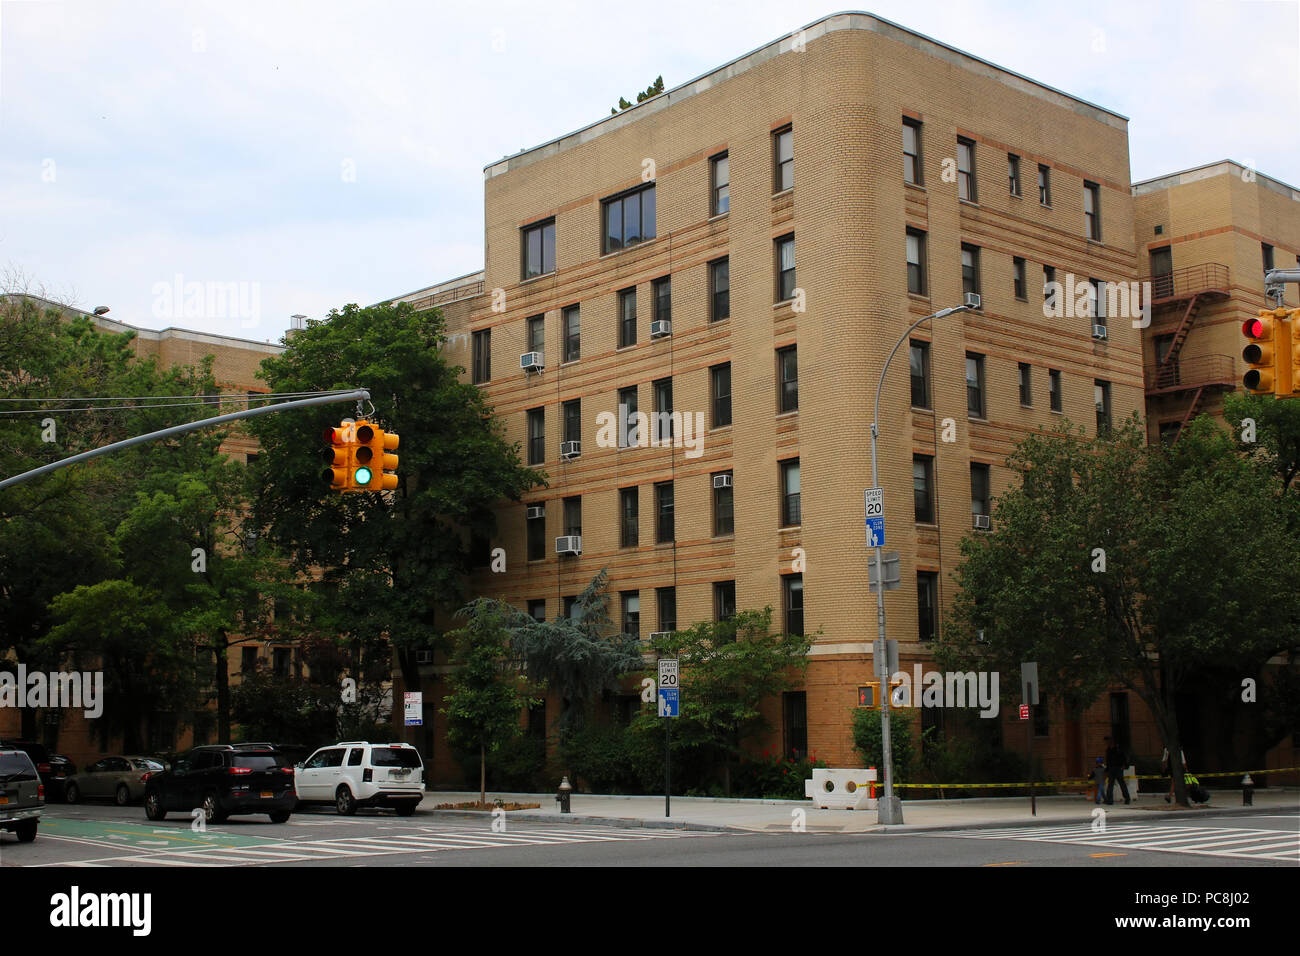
{"x": 889, "y": 808}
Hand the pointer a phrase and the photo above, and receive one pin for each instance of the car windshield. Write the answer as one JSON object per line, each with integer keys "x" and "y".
{"x": 16, "y": 767}
{"x": 260, "y": 761}
{"x": 395, "y": 757}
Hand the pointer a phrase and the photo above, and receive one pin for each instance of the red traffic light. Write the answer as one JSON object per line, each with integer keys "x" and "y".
{"x": 1252, "y": 329}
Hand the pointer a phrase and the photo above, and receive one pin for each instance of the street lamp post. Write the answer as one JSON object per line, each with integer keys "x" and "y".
{"x": 890, "y": 808}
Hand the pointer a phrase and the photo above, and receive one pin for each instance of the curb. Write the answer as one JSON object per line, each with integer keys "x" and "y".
{"x": 1039, "y": 822}
{"x": 583, "y": 820}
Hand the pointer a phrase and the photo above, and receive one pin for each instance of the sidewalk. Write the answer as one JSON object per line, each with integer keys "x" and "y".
{"x": 707, "y": 813}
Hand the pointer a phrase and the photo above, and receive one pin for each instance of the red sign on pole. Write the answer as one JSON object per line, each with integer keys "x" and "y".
{"x": 1024, "y": 711}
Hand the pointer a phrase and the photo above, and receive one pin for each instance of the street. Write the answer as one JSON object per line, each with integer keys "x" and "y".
{"x": 110, "y": 836}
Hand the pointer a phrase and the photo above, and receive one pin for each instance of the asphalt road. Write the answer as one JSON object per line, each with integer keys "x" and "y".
{"x": 110, "y": 836}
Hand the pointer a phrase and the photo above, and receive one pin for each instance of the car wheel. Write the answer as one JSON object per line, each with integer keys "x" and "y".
{"x": 26, "y": 831}
{"x": 212, "y": 809}
{"x": 72, "y": 793}
{"x": 123, "y": 795}
{"x": 280, "y": 816}
{"x": 346, "y": 803}
{"x": 406, "y": 808}
{"x": 153, "y": 806}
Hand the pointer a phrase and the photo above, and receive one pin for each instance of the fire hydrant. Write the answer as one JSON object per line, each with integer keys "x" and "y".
{"x": 1247, "y": 791}
{"x": 562, "y": 797}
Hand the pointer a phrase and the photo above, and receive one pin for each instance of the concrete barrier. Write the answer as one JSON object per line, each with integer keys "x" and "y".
{"x": 840, "y": 789}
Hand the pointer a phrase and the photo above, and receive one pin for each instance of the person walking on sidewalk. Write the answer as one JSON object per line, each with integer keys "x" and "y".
{"x": 1115, "y": 771}
{"x": 1099, "y": 777}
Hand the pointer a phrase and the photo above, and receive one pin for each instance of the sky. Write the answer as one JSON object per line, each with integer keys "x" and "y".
{"x": 286, "y": 157}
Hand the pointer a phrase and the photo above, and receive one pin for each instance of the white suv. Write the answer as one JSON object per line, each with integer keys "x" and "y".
{"x": 357, "y": 773}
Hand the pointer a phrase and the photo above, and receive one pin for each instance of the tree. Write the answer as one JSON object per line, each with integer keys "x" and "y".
{"x": 1115, "y": 562}
{"x": 654, "y": 89}
{"x": 486, "y": 686}
{"x": 727, "y": 669}
{"x": 391, "y": 563}
{"x": 867, "y": 737}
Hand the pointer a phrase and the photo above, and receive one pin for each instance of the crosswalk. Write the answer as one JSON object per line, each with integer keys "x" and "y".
{"x": 414, "y": 840}
{"x": 1236, "y": 842}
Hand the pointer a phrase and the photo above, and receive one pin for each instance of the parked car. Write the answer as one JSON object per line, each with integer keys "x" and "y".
{"x": 122, "y": 778}
{"x": 22, "y": 795}
{"x": 62, "y": 769}
{"x": 41, "y": 758}
{"x": 224, "y": 779}
{"x": 357, "y": 773}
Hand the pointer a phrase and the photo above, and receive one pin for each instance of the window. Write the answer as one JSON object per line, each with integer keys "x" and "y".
{"x": 629, "y": 219}
{"x": 1054, "y": 388}
{"x": 629, "y": 517}
{"x": 927, "y": 604}
{"x": 627, "y": 318}
{"x": 791, "y": 510}
{"x": 664, "y": 530}
{"x": 720, "y": 177}
{"x": 536, "y": 436}
{"x": 573, "y": 420}
{"x": 1101, "y": 395}
{"x": 785, "y": 268}
{"x": 787, "y": 364}
{"x": 572, "y": 331}
{"x": 720, "y": 392}
{"x": 537, "y": 609}
{"x": 1044, "y": 185}
{"x": 631, "y": 613}
{"x": 667, "y": 601}
{"x": 912, "y": 151}
{"x": 247, "y": 660}
{"x": 919, "y": 364}
{"x": 662, "y": 299}
{"x": 1267, "y": 252}
{"x": 480, "y": 551}
{"x": 1169, "y": 432}
{"x": 979, "y": 489}
{"x": 724, "y": 514}
{"x": 792, "y": 586}
{"x": 794, "y": 705}
{"x": 1092, "y": 211}
{"x": 571, "y": 608}
{"x": 975, "y": 385}
{"x": 280, "y": 662}
{"x": 1098, "y": 293}
{"x": 573, "y": 515}
{"x": 629, "y": 430}
{"x": 537, "y": 538}
{"x": 783, "y": 150}
{"x": 1162, "y": 267}
{"x": 482, "y": 356}
{"x": 537, "y": 333}
{"x": 1013, "y": 173}
{"x": 539, "y": 249}
{"x": 724, "y": 600}
{"x": 1049, "y": 288}
{"x": 923, "y": 488}
{"x": 537, "y": 721}
{"x": 970, "y": 269}
{"x": 1026, "y": 391}
{"x": 916, "y": 262}
{"x": 966, "y": 169}
{"x": 1018, "y": 278}
{"x": 663, "y": 393}
{"x": 720, "y": 289}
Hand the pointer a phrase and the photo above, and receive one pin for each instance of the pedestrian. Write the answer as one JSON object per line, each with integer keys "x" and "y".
{"x": 1099, "y": 777}
{"x": 1168, "y": 771}
{"x": 1115, "y": 771}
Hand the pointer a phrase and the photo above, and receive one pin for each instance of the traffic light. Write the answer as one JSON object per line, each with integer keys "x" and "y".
{"x": 375, "y": 465}
{"x": 1295, "y": 351}
{"x": 1269, "y": 353}
{"x": 338, "y": 458}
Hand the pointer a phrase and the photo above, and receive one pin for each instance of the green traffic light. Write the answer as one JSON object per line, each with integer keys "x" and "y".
{"x": 362, "y": 476}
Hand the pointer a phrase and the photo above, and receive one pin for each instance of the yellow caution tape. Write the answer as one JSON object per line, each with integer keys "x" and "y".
{"x": 1070, "y": 783}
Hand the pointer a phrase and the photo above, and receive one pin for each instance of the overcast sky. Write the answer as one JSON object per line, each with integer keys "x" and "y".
{"x": 332, "y": 151}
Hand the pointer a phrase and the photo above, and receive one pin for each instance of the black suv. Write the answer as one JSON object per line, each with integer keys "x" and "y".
{"x": 53, "y": 775}
{"x": 224, "y": 779}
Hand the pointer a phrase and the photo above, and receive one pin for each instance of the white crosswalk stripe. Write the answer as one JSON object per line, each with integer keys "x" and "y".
{"x": 1236, "y": 842}
{"x": 425, "y": 839}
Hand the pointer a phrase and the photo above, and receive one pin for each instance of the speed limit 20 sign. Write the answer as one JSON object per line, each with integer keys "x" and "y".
{"x": 668, "y": 688}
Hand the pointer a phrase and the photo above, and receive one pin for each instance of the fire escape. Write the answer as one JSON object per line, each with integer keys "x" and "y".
{"x": 1181, "y": 294}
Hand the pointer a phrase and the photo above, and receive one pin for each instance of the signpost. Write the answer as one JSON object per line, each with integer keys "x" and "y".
{"x": 668, "y": 709}
{"x": 1029, "y": 697}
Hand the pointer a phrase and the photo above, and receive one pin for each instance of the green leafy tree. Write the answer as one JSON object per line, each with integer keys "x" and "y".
{"x": 487, "y": 688}
{"x": 1114, "y": 562}
{"x": 727, "y": 669}
{"x": 867, "y": 737}
{"x": 1273, "y": 429}
{"x": 654, "y": 89}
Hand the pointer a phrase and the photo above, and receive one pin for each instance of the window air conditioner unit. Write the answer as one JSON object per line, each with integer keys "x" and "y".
{"x": 570, "y": 449}
{"x": 1099, "y": 331}
{"x": 657, "y": 635}
{"x": 536, "y": 511}
{"x": 721, "y": 481}
{"x": 569, "y": 544}
{"x": 979, "y": 636}
{"x": 531, "y": 362}
{"x": 424, "y": 657}
{"x": 972, "y": 300}
{"x": 982, "y": 522}
{"x": 660, "y": 327}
